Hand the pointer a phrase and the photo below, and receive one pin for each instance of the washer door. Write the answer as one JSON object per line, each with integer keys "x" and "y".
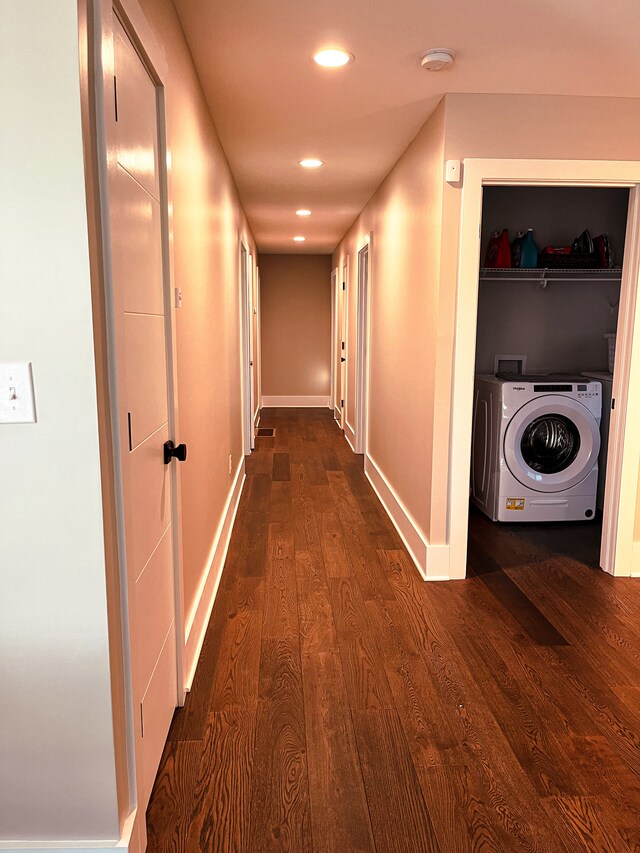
{"x": 551, "y": 443}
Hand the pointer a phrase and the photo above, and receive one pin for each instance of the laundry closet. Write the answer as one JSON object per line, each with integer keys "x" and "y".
{"x": 548, "y": 297}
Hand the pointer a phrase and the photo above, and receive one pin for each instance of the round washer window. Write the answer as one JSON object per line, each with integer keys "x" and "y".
{"x": 550, "y": 444}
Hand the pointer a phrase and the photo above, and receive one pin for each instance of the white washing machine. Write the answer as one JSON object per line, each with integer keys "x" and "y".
{"x": 535, "y": 447}
{"x": 606, "y": 380}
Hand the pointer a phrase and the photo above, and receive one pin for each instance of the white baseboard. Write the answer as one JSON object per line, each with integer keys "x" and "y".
{"x": 337, "y": 416}
{"x": 64, "y": 846}
{"x": 256, "y": 417}
{"x": 350, "y": 435}
{"x": 126, "y": 842}
{"x": 198, "y": 620}
{"x": 296, "y": 402}
{"x": 432, "y": 561}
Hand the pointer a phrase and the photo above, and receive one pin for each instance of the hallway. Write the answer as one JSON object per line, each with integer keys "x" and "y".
{"x": 341, "y": 704}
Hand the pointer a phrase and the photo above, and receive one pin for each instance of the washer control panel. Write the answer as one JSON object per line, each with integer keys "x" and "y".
{"x": 592, "y": 389}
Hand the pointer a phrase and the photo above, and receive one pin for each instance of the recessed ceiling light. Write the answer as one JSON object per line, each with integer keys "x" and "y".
{"x": 333, "y": 57}
{"x": 303, "y": 212}
{"x": 299, "y": 239}
{"x": 311, "y": 163}
{"x": 437, "y": 59}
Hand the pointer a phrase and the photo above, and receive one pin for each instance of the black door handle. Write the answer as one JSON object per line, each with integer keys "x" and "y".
{"x": 343, "y": 359}
{"x": 171, "y": 450}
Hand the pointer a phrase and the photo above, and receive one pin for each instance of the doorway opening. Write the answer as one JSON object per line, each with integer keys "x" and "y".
{"x": 619, "y": 553}
{"x": 548, "y": 303}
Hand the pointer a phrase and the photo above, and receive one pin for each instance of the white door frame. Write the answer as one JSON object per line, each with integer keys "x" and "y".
{"x": 362, "y": 345}
{"x": 104, "y": 143}
{"x": 343, "y": 288}
{"x": 252, "y": 350}
{"x": 258, "y": 341}
{"x": 620, "y": 556}
{"x": 334, "y": 338}
{"x": 246, "y": 344}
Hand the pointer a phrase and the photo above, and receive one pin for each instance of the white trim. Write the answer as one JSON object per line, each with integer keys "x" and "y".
{"x": 103, "y": 64}
{"x": 623, "y": 458}
{"x": 198, "y": 620}
{"x": 172, "y": 384}
{"x": 625, "y": 435}
{"x": 362, "y": 344}
{"x": 135, "y": 21}
{"x": 280, "y": 401}
{"x": 337, "y": 416}
{"x": 124, "y": 844}
{"x": 635, "y": 560}
{"x": 245, "y": 345}
{"x": 256, "y": 418}
{"x": 350, "y": 435}
{"x": 344, "y": 376}
{"x": 252, "y": 356}
{"x": 65, "y": 846}
{"x": 432, "y": 561}
{"x": 334, "y": 335}
{"x": 258, "y": 354}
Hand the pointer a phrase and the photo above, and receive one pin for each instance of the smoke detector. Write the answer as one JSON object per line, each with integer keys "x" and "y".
{"x": 437, "y": 58}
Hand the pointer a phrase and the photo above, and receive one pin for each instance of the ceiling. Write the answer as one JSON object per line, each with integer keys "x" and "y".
{"x": 273, "y": 106}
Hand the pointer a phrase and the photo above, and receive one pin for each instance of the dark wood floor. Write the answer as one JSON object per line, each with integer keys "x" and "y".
{"x": 342, "y": 704}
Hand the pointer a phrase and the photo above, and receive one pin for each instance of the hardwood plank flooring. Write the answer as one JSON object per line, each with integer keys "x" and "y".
{"x": 342, "y": 704}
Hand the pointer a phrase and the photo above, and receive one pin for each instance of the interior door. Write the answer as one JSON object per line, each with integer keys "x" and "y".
{"x": 333, "y": 378}
{"x": 342, "y": 347}
{"x": 141, "y": 353}
{"x": 252, "y": 349}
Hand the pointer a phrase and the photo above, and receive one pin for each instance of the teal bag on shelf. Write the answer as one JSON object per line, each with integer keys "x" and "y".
{"x": 528, "y": 251}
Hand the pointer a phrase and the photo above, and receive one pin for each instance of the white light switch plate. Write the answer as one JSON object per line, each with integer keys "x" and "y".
{"x": 17, "y": 403}
{"x": 453, "y": 171}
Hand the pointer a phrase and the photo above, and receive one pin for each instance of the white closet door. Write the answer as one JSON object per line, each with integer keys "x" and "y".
{"x": 142, "y": 369}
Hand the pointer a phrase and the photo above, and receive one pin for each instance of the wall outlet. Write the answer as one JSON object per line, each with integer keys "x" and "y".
{"x": 230, "y": 464}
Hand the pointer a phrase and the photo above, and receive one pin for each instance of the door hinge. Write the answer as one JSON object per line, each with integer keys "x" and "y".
{"x": 341, "y": 403}
{"x": 613, "y": 402}
{"x": 115, "y": 96}
{"x": 129, "y": 426}
{"x": 342, "y": 345}
{"x": 344, "y": 285}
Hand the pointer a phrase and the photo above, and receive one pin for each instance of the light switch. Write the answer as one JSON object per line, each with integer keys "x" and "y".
{"x": 17, "y": 403}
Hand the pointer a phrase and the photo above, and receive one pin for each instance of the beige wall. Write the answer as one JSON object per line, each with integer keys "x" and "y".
{"x": 207, "y": 217}
{"x": 405, "y": 218}
{"x": 296, "y": 325}
{"x": 57, "y": 765}
{"x": 414, "y": 217}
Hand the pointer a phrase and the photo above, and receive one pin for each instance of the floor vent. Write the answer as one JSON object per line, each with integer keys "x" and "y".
{"x": 265, "y": 432}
